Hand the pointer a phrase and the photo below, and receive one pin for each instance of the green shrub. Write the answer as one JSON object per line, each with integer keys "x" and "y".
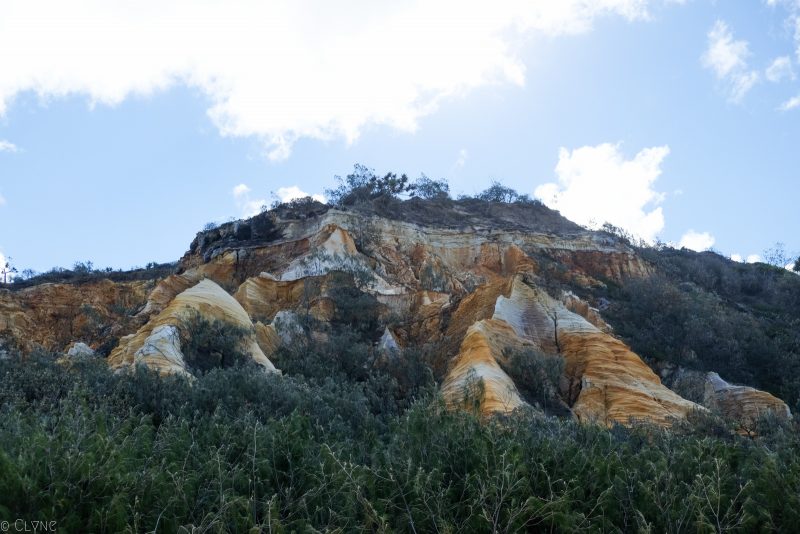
{"x": 207, "y": 344}
{"x": 240, "y": 450}
{"x": 537, "y": 377}
{"x": 356, "y": 310}
{"x": 688, "y": 323}
{"x": 363, "y": 185}
{"x": 429, "y": 189}
{"x": 497, "y": 192}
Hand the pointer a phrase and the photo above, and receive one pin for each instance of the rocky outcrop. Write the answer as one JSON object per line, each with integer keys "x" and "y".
{"x": 574, "y": 304}
{"x": 167, "y": 289}
{"x": 77, "y": 352}
{"x": 613, "y": 384}
{"x": 80, "y": 350}
{"x": 409, "y": 255}
{"x": 388, "y": 344}
{"x": 53, "y": 315}
{"x": 473, "y": 281}
{"x": 741, "y": 403}
{"x": 476, "y": 378}
{"x": 16, "y": 324}
{"x": 263, "y": 297}
{"x": 604, "y": 381}
{"x": 157, "y": 344}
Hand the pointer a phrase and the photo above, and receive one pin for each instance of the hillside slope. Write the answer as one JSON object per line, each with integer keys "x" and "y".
{"x": 489, "y": 291}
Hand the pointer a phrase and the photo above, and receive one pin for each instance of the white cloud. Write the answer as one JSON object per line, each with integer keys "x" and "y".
{"x": 787, "y": 3}
{"x": 792, "y": 21}
{"x": 2, "y": 200}
{"x": 7, "y": 146}
{"x": 727, "y": 58}
{"x": 246, "y": 205}
{"x": 724, "y": 55}
{"x": 596, "y": 184}
{"x": 287, "y": 194}
{"x": 751, "y": 258}
{"x": 796, "y": 18}
{"x": 698, "y": 241}
{"x": 240, "y": 190}
{"x": 463, "y": 155}
{"x": 790, "y": 104}
{"x": 741, "y": 84}
{"x": 284, "y": 69}
{"x": 780, "y": 69}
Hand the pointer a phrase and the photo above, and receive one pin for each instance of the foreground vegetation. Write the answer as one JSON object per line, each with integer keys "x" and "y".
{"x": 239, "y": 449}
{"x": 351, "y": 440}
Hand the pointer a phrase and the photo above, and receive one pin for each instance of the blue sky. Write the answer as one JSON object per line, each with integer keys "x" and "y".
{"x": 122, "y": 132}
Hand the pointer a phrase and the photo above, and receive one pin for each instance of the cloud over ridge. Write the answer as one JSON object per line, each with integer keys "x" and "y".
{"x": 697, "y": 241}
{"x": 598, "y": 184}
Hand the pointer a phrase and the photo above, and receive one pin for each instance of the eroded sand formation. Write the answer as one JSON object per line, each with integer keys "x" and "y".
{"x": 473, "y": 289}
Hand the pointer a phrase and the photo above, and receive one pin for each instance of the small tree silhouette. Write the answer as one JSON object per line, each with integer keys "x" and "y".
{"x": 8, "y": 270}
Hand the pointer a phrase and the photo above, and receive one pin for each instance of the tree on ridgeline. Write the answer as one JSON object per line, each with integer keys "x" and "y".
{"x": 8, "y": 270}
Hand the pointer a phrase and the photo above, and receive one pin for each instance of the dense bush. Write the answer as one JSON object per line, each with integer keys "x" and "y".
{"x": 83, "y": 272}
{"x": 355, "y": 309}
{"x": 363, "y": 185}
{"x": 387, "y": 382}
{"x": 430, "y": 189}
{"x": 240, "y": 449}
{"x": 703, "y": 311}
{"x": 537, "y": 377}
{"x": 207, "y": 344}
{"x": 497, "y": 192}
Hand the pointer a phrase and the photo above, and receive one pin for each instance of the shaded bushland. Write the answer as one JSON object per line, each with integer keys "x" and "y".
{"x": 240, "y": 449}
{"x": 703, "y": 311}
